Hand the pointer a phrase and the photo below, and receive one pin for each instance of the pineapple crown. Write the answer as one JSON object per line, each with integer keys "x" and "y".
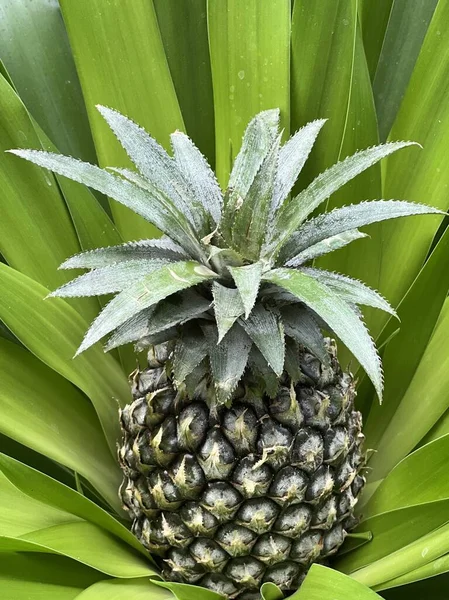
{"x": 232, "y": 280}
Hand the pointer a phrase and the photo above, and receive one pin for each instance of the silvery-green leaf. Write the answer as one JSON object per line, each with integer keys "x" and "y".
{"x": 250, "y": 220}
{"x": 292, "y": 156}
{"x": 259, "y": 366}
{"x": 144, "y": 293}
{"x": 351, "y": 290}
{"x": 144, "y": 249}
{"x": 228, "y": 307}
{"x": 292, "y": 359}
{"x": 156, "y": 166}
{"x": 192, "y": 380}
{"x": 227, "y": 360}
{"x": 153, "y": 207}
{"x": 190, "y": 350}
{"x": 325, "y": 246}
{"x": 247, "y": 279}
{"x": 155, "y": 339}
{"x": 337, "y": 313}
{"x": 267, "y": 333}
{"x": 348, "y": 217}
{"x": 198, "y": 173}
{"x": 110, "y": 279}
{"x": 300, "y": 325}
{"x": 133, "y": 177}
{"x": 295, "y": 211}
{"x": 174, "y": 310}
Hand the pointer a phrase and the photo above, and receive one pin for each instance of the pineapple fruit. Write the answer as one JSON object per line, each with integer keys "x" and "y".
{"x": 242, "y": 452}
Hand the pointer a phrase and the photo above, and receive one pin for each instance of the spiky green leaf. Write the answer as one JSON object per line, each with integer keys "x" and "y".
{"x": 346, "y": 218}
{"x": 328, "y": 245}
{"x": 291, "y": 359}
{"x": 267, "y": 332}
{"x": 339, "y": 316}
{"x": 143, "y": 249}
{"x": 352, "y": 290}
{"x": 300, "y": 325}
{"x": 247, "y": 279}
{"x": 259, "y": 366}
{"x": 292, "y": 157}
{"x": 228, "y": 307}
{"x": 296, "y": 211}
{"x": 198, "y": 173}
{"x": 144, "y": 293}
{"x": 190, "y": 350}
{"x": 153, "y": 207}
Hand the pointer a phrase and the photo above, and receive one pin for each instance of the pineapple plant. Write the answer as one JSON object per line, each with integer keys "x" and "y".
{"x": 242, "y": 452}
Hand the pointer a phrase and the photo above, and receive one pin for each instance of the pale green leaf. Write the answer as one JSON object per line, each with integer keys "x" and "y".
{"x": 300, "y": 325}
{"x": 228, "y": 307}
{"x": 269, "y": 591}
{"x": 144, "y": 293}
{"x": 247, "y": 279}
{"x": 184, "y": 591}
{"x": 339, "y": 316}
{"x": 323, "y": 583}
{"x": 267, "y": 333}
{"x": 330, "y": 244}
{"x": 122, "y": 589}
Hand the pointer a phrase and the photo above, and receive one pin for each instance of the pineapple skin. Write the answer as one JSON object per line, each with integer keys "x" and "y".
{"x": 233, "y": 497}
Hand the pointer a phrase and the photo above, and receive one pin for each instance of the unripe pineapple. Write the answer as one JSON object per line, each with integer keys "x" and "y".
{"x": 242, "y": 452}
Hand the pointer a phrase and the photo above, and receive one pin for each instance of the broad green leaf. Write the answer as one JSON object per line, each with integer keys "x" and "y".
{"x": 407, "y": 26}
{"x": 190, "y": 350}
{"x": 418, "y": 176}
{"x": 34, "y": 219}
{"x": 54, "y": 419}
{"x": 52, "y": 330}
{"x": 412, "y": 482}
{"x": 339, "y": 316}
{"x": 119, "y": 589}
{"x": 162, "y": 283}
{"x": 228, "y": 360}
{"x": 436, "y": 587}
{"x": 43, "y": 577}
{"x": 267, "y": 333}
{"x": 249, "y": 228}
{"x": 110, "y": 46}
{"x": 328, "y": 245}
{"x": 346, "y": 218}
{"x": 183, "y": 591}
{"x": 432, "y": 569}
{"x": 183, "y": 27}
{"x": 415, "y": 417}
{"x": 156, "y": 166}
{"x": 36, "y": 501}
{"x": 198, "y": 173}
{"x": 102, "y": 257}
{"x": 323, "y": 583}
{"x": 330, "y": 80}
{"x": 110, "y": 279}
{"x": 300, "y": 325}
{"x": 374, "y": 22}
{"x": 403, "y": 353}
{"x": 250, "y": 70}
{"x": 228, "y": 307}
{"x": 45, "y": 79}
{"x": 297, "y": 209}
{"x": 269, "y": 591}
{"x": 353, "y": 291}
{"x": 151, "y": 206}
{"x": 292, "y": 157}
{"x": 247, "y": 279}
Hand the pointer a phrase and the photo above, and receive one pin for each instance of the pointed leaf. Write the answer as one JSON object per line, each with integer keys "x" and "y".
{"x": 143, "y": 293}
{"x": 228, "y": 307}
{"x": 295, "y": 211}
{"x": 351, "y": 290}
{"x": 250, "y": 220}
{"x": 292, "y": 359}
{"x": 198, "y": 173}
{"x": 129, "y": 589}
{"x": 300, "y": 325}
{"x": 328, "y": 245}
{"x": 323, "y": 583}
{"x": 156, "y": 166}
{"x": 228, "y": 360}
{"x": 259, "y": 366}
{"x": 185, "y": 591}
{"x": 173, "y": 310}
{"x": 267, "y": 333}
{"x": 247, "y": 279}
{"x": 346, "y": 218}
{"x": 189, "y": 352}
{"x": 337, "y": 314}
{"x": 151, "y": 206}
{"x": 110, "y": 279}
{"x": 292, "y": 157}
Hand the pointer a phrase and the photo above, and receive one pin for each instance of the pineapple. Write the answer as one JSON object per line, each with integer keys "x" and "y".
{"x": 242, "y": 451}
